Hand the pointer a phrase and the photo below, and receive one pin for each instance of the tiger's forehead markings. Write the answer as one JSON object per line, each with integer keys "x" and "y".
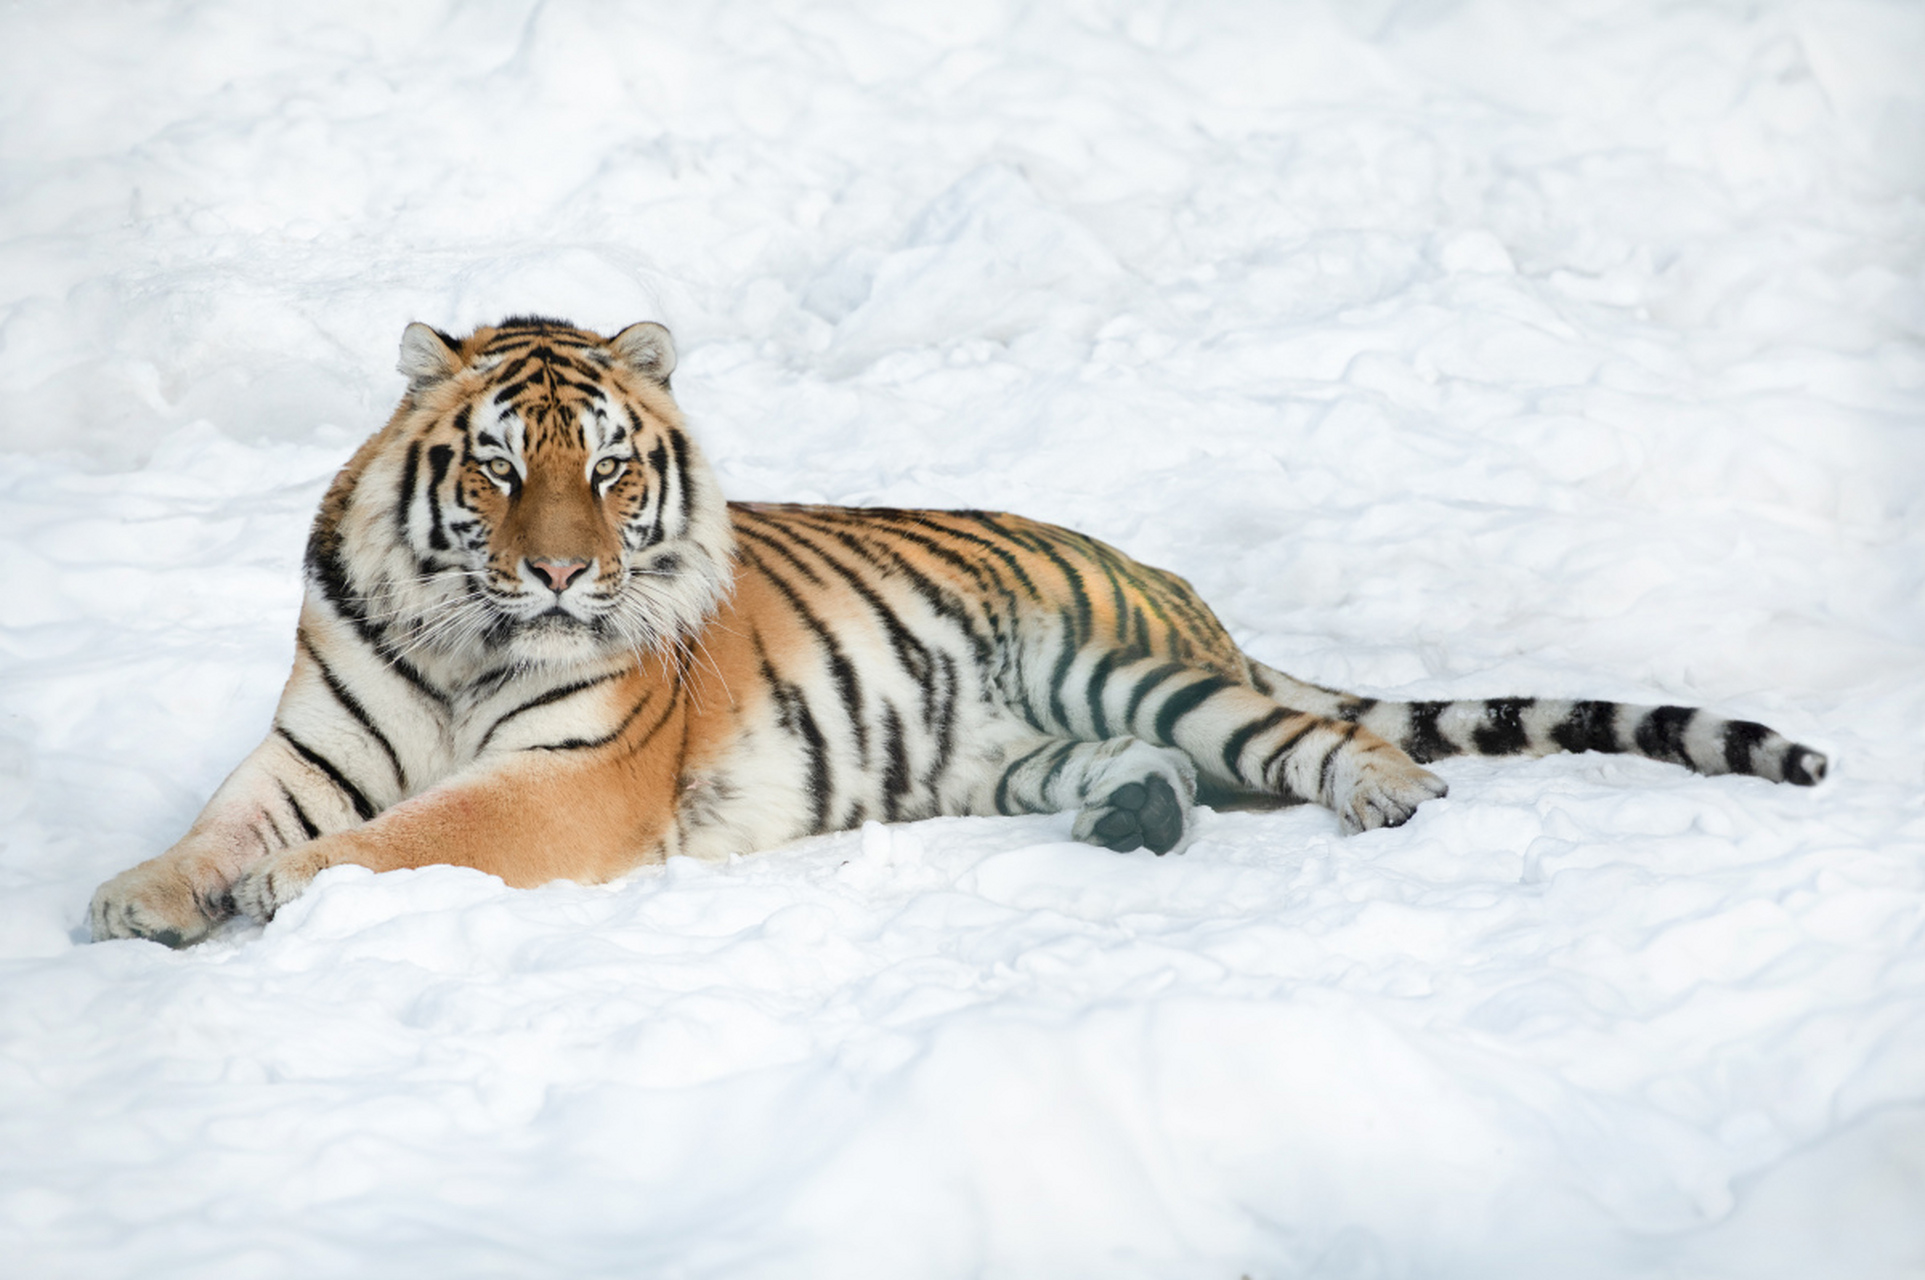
{"x": 545, "y": 373}
{"x": 544, "y": 388}
{"x": 548, "y": 390}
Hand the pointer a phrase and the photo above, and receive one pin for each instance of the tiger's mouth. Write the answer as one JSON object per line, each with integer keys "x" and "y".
{"x": 573, "y": 617}
{"x": 555, "y": 613}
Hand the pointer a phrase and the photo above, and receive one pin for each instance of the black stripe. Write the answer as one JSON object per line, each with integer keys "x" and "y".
{"x": 1234, "y": 745}
{"x": 895, "y": 775}
{"x": 1098, "y": 677}
{"x": 1502, "y": 733}
{"x": 1325, "y": 768}
{"x": 579, "y": 744}
{"x": 1002, "y": 783}
{"x": 1589, "y": 726}
{"x": 515, "y": 366}
{"x": 329, "y": 577}
{"x": 945, "y": 718}
{"x": 1143, "y": 688}
{"x": 404, "y": 501}
{"x": 1182, "y": 703}
{"x": 353, "y": 707}
{"x": 1424, "y": 742}
{"x": 1119, "y": 599}
{"x": 1277, "y": 753}
{"x": 326, "y": 766}
{"x": 583, "y": 386}
{"x": 1740, "y": 738}
{"x": 308, "y": 828}
{"x": 1355, "y": 709}
{"x": 795, "y": 718}
{"x": 678, "y": 444}
{"x": 668, "y": 713}
{"x": 439, "y": 456}
{"x": 1660, "y": 735}
{"x": 1058, "y": 712}
{"x": 493, "y": 681}
{"x": 553, "y": 695}
{"x": 1055, "y": 769}
{"x": 1804, "y": 767}
{"x": 658, "y": 463}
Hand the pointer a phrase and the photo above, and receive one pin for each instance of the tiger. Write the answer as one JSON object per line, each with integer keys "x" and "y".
{"x": 535, "y": 640}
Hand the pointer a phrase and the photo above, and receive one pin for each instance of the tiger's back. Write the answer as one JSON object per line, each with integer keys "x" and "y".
{"x": 879, "y": 663}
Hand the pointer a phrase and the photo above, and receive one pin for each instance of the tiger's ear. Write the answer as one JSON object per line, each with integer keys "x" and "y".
{"x": 647, "y": 349}
{"x": 427, "y": 356}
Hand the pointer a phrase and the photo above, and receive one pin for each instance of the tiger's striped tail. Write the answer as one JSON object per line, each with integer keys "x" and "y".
{"x": 1694, "y": 738}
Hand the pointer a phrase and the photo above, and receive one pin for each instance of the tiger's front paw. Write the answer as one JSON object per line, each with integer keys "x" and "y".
{"x": 1384, "y": 791}
{"x": 157, "y": 900}
{"x": 275, "y": 881}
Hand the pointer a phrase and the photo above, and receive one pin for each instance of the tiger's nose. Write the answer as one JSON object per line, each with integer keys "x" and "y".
{"x": 557, "y": 573}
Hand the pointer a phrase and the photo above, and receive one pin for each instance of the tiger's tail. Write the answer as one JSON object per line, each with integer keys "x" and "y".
{"x": 1427, "y": 731}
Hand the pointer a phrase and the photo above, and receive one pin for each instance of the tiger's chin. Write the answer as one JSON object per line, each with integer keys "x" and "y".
{"x": 557, "y": 639}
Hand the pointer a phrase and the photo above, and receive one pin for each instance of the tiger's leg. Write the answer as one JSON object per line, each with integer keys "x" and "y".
{"x": 583, "y": 810}
{"x": 1127, "y": 794}
{"x": 1243, "y": 739}
{"x": 530, "y": 818}
{"x": 277, "y": 799}
{"x": 325, "y": 767}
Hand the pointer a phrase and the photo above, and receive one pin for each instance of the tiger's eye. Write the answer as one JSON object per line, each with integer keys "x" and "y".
{"x": 607, "y": 467}
{"x": 501, "y": 467}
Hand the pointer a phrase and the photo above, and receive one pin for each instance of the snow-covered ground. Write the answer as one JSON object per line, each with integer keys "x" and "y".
{"x": 1450, "y": 348}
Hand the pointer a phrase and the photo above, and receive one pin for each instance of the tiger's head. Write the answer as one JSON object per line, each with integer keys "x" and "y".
{"x": 535, "y": 500}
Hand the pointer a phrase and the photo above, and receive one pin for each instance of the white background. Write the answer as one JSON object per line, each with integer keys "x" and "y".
{"x": 1450, "y": 349}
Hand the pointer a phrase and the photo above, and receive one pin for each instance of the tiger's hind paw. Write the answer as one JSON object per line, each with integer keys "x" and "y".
{"x": 1149, "y": 813}
{"x": 1385, "y": 793}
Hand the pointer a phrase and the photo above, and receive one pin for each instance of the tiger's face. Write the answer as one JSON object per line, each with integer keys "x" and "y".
{"x": 535, "y": 500}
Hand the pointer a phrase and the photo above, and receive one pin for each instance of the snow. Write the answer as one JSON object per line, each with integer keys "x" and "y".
{"x": 1451, "y": 349}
